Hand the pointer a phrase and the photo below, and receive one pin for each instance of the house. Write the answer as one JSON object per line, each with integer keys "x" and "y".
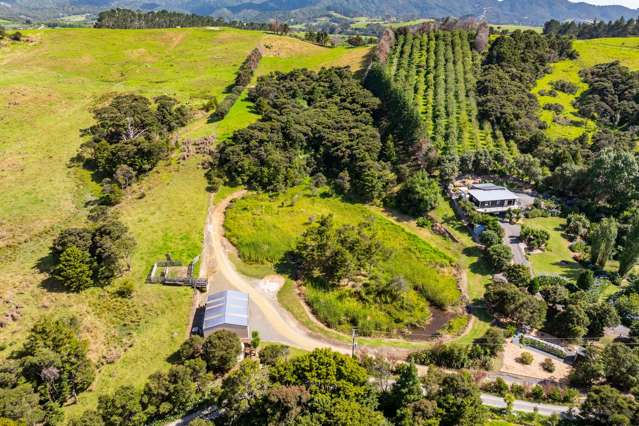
{"x": 227, "y": 310}
{"x": 490, "y": 198}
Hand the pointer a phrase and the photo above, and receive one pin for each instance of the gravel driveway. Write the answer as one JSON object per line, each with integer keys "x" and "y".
{"x": 511, "y": 239}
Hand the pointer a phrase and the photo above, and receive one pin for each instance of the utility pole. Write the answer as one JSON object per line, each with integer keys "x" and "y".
{"x": 354, "y": 344}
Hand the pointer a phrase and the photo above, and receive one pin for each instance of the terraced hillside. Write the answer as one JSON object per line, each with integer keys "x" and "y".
{"x": 48, "y": 87}
{"x": 438, "y": 72}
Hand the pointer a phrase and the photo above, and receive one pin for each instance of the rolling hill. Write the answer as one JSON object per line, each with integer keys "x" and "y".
{"x": 499, "y": 11}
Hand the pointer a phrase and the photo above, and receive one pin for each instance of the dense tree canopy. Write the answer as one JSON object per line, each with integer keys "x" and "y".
{"x": 95, "y": 255}
{"x": 597, "y": 29}
{"x": 130, "y": 134}
{"x": 311, "y": 123}
{"x": 54, "y": 359}
{"x": 512, "y": 65}
{"x": 612, "y": 95}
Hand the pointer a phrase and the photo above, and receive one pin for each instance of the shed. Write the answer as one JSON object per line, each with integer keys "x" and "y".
{"x": 227, "y": 310}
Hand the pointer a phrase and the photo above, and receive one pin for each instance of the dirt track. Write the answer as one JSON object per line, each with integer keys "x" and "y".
{"x": 266, "y": 316}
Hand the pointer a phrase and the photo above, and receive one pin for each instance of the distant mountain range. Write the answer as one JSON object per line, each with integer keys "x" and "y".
{"x": 532, "y": 12}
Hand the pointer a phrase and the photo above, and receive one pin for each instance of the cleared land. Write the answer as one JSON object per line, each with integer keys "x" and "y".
{"x": 591, "y": 52}
{"x": 47, "y": 89}
{"x": 263, "y": 229}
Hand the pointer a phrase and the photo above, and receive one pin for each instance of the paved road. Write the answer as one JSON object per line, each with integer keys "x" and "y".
{"x": 511, "y": 238}
{"x": 265, "y": 315}
{"x": 525, "y": 406}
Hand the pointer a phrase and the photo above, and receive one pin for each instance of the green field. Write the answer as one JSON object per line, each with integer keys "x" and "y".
{"x": 47, "y": 88}
{"x": 591, "y": 52}
{"x": 264, "y": 228}
{"x": 557, "y": 258}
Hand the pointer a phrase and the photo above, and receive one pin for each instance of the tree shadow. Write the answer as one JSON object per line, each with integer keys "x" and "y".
{"x": 45, "y": 264}
{"x": 288, "y": 264}
{"x": 52, "y": 285}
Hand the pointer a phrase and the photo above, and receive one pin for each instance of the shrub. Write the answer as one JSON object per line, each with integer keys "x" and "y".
{"x": 270, "y": 354}
{"x": 542, "y": 346}
{"x": 525, "y": 358}
{"x": 125, "y": 289}
{"x": 558, "y": 108}
{"x": 499, "y": 256}
{"x": 418, "y": 195}
{"x": 586, "y": 280}
{"x": 577, "y": 225}
{"x": 518, "y": 275}
{"x": 422, "y": 357}
{"x": 537, "y": 393}
{"x": 536, "y": 212}
{"x": 565, "y": 86}
{"x": 489, "y": 238}
{"x": 424, "y": 222}
{"x": 518, "y": 390}
{"x": 498, "y": 387}
{"x": 548, "y": 365}
{"x": 534, "y": 238}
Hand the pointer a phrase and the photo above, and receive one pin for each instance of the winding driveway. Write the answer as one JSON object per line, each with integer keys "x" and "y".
{"x": 273, "y": 322}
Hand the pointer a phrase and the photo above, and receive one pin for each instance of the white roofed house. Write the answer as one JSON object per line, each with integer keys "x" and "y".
{"x": 227, "y": 310}
{"x": 491, "y": 198}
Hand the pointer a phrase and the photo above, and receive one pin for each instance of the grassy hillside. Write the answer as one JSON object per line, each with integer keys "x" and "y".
{"x": 591, "y": 52}
{"x": 47, "y": 88}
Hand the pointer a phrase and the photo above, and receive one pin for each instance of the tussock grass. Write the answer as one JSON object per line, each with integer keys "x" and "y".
{"x": 264, "y": 228}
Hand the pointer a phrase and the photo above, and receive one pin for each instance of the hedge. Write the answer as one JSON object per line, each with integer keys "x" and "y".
{"x": 546, "y": 347}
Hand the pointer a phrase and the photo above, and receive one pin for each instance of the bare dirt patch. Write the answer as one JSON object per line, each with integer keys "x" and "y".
{"x": 510, "y": 365}
{"x": 285, "y": 47}
{"x": 173, "y": 39}
{"x": 271, "y": 285}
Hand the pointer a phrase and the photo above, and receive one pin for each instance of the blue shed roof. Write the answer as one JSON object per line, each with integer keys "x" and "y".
{"x": 226, "y": 308}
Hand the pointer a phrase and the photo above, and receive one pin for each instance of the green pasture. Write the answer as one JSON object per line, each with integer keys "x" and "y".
{"x": 591, "y": 52}
{"x": 47, "y": 89}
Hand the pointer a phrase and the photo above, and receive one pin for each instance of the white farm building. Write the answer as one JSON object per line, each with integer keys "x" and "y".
{"x": 227, "y": 310}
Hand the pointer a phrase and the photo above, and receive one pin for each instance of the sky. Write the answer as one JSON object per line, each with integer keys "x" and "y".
{"x": 633, "y": 4}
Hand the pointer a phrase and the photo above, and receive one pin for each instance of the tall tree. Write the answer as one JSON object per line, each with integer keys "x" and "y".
{"x": 630, "y": 250}
{"x": 603, "y": 237}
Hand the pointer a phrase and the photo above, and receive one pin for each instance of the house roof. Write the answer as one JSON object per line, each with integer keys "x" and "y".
{"x": 226, "y": 308}
{"x": 490, "y": 192}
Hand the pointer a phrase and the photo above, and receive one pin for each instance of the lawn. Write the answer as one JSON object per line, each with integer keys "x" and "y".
{"x": 264, "y": 228}
{"x": 47, "y": 89}
{"x": 591, "y": 52}
{"x": 556, "y": 259}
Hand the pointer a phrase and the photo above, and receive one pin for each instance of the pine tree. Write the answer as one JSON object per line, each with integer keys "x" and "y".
{"x": 75, "y": 269}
